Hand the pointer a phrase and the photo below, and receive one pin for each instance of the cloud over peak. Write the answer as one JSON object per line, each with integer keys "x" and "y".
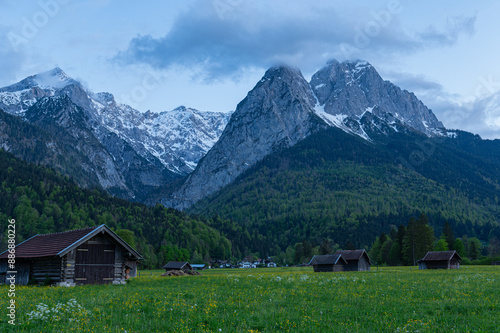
{"x": 223, "y": 38}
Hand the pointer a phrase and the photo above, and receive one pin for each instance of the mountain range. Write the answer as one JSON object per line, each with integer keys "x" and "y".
{"x": 284, "y": 108}
{"x": 100, "y": 142}
{"x": 340, "y": 157}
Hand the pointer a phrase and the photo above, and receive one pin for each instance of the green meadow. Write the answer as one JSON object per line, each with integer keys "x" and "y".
{"x": 392, "y": 299}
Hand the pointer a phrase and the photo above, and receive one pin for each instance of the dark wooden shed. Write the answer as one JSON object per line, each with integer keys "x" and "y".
{"x": 440, "y": 259}
{"x": 93, "y": 255}
{"x": 178, "y": 266}
{"x": 357, "y": 260}
{"x": 328, "y": 263}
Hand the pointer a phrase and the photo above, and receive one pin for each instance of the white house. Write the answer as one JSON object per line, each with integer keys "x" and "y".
{"x": 247, "y": 264}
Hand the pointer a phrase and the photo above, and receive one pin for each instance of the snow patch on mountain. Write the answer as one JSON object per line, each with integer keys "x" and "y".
{"x": 53, "y": 79}
{"x": 178, "y": 138}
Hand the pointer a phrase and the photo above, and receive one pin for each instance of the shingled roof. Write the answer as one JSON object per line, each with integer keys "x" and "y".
{"x": 440, "y": 256}
{"x": 328, "y": 259}
{"x": 58, "y": 244}
{"x": 177, "y": 265}
{"x": 351, "y": 255}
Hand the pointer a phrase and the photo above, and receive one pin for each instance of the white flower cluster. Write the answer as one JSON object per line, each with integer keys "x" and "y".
{"x": 304, "y": 277}
{"x": 70, "y": 311}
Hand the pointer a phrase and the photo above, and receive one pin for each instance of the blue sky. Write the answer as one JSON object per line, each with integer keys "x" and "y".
{"x": 207, "y": 54}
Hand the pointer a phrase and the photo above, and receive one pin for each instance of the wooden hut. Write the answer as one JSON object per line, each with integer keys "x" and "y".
{"x": 178, "y": 266}
{"x": 93, "y": 255}
{"x": 328, "y": 263}
{"x": 357, "y": 260}
{"x": 440, "y": 259}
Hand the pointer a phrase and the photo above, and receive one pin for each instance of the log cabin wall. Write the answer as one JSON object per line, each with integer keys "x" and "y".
{"x": 68, "y": 267}
{"x": 45, "y": 270}
{"x": 119, "y": 266}
{"x": 328, "y": 268}
{"x": 363, "y": 264}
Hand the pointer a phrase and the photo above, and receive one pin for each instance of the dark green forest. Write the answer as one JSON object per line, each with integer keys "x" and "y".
{"x": 43, "y": 201}
{"x": 336, "y": 188}
{"x": 330, "y": 191}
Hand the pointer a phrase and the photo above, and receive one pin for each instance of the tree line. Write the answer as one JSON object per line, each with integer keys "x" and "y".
{"x": 405, "y": 245}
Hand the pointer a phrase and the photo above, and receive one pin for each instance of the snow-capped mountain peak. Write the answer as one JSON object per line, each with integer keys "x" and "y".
{"x": 19, "y": 97}
{"x": 345, "y": 91}
{"x": 53, "y": 79}
{"x": 176, "y": 139}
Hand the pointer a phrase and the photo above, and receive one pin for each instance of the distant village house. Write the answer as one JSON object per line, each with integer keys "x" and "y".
{"x": 247, "y": 264}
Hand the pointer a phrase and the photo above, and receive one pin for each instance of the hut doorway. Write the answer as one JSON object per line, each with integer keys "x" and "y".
{"x": 95, "y": 263}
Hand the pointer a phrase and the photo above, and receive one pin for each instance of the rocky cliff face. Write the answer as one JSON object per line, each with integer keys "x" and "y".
{"x": 283, "y": 109}
{"x": 277, "y": 113}
{"x": 118, "y": 168}
{"x": 347, "y": 91}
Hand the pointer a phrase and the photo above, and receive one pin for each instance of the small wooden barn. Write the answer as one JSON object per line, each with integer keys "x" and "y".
{"x": 357, "y": 260}
{"x": 440, "y": 259}
{"x": 328, "y": 263}
{"x": 93, "y": 255}
{"x": 178, "y": 266}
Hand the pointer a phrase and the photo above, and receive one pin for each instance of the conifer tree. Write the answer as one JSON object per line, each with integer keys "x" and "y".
{"x": 448, "y": 236}
{"x": 418, "y": 239}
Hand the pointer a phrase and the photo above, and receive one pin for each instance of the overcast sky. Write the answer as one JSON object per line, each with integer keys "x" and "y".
{"x": 207, "y": 54}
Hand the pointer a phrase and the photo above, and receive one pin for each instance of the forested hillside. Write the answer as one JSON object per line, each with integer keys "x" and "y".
{"x": 43, "y": 201}
{"x": 338, "y": 188}
{"x": 332, "y": 190}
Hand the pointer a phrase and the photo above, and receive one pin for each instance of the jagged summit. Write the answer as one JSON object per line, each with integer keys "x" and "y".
{"x": 49, "y": 80}
{"x": 53, "y": 79}
{"x": 277, "y": 113}
{"x": 280, "y": 71}
{"x": 347, "y": 90}
{"x": 17, "y": 98}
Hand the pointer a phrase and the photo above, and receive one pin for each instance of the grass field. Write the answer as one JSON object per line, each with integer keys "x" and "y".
{"x": 389, "y": 299}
